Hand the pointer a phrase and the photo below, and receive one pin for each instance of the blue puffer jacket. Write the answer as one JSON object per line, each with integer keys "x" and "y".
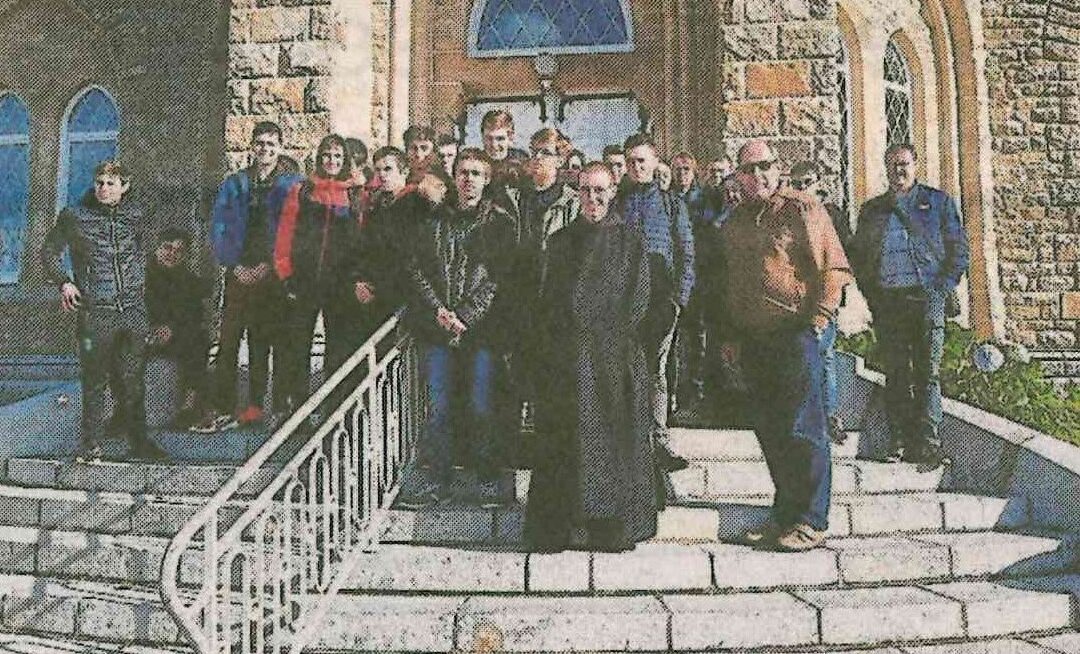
{"x": 229, "y": 216}
{"x": 665, "y": 226}
{"x": 939, "y": 245}
{"x": 108, "y": 256}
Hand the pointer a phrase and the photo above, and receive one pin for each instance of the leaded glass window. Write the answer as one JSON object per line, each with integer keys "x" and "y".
{"x": 527, "y": 27}
{"x": 89, "y": 137}
{"x": 897, "y": 96}
{"x": 15, "y": 191}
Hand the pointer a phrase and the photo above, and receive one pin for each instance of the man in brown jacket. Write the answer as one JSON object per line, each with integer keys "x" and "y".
{"x": 785, "y": 273}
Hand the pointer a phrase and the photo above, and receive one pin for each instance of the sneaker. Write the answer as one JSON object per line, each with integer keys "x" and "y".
{"x": 800, "y": 538}
{"x": 249, "y": 416}
{"x": 147, "y": 450}
{"x": 88, "y": 453}
{"x": 762, "y": 535}
{"x": 896, "y": 453}
{"x": 668, "y": 461}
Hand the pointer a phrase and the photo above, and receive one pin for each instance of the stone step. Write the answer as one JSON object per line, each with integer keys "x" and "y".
{"x": 173, "y": 479}
{"x": 12, "y": 643}
{"x": 713, "y": 566}
{"x": 738, "y": 444}
{"x": 904, "y": 616}
{"x": 724, "y": 521}
{"x": 717, "y": 480}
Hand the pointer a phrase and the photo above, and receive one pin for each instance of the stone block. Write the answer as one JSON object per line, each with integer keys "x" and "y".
{"x": 876, "y": 477}
{"x": 737, "y": 478}
{"x": 303, "y": 131}
{"x": 239, "y": 93}
{"x": 31, "y": 472}
{"x": 275, "y": 24}
{"x": 889, "y": 559}
{"x": 104, "y": 476}
{"x": 560, "y": 624}
{"x": 733, "y": 445}
{"x": 317, "y": 95}
{"x": 778, "y": 80}
{"x": 749, "y": 119}
{"x": 986, "y": 553}
{"x": 161, "y": 518}
{"x": 774, "y": 11}
{"x": 40, "y": 611}
{"x": 559, "y": 572}
{"x": 983, "y": 647}
{"x": 1070, "y": 305}
{"x": 307, "y": 58}
{"x": 683, "y": 523}
{"x": 239, "y": 26}
{"x": 278, "y": 96}
{"x": 251, "y": 60}
{"x": 738, "y": 567}
{"x": 325, "y": 25}
{"x": 975, "y": 513}
{"x": 742, "y": 620}
{"x": 20, "y": 510}
{"x": 870, "y": 615}
{"x": 99, "y": 557}
{"x": 895, "y": 513}
{"x": 388, "y": 624}
{"x": 441, "y": 525}
{"x": 1069, "y": 642}
{"x": 808, "y": 40}
{"x": 94, "y": 514}
{"x": 809, "y": 117}
{"x": 687, "y": 483}
{"x": 999, "y": 608}
{"x": 653, "y": 566}
{"x": 16, "y": 557}
{"x": 750, "y": 42}
{"x": 125, "y": 620}
{"x": 419, "y": 568}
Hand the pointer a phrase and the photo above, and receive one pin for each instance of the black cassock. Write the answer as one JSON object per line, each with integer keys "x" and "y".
{"x": 593, "y": 459}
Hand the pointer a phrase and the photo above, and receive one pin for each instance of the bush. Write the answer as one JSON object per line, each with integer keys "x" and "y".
{"x": 1017, "y": 390}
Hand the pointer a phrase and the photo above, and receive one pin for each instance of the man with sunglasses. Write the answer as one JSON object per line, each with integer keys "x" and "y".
{"x": 785, "y": 271}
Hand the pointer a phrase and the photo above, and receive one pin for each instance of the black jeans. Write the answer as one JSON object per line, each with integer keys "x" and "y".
{"x": 112, "y": 353}
{"x": 256, "y": 308}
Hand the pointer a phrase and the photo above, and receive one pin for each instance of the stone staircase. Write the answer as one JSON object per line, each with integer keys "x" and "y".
{"x": 910, "y": 566}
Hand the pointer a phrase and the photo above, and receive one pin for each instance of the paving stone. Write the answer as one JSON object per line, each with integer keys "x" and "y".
{"x": 92, "y": 515}
{"x": 889, "y": 558}
{"x": 877, "y": 477}
{"x": 997, "y": 608}
{"x": 653, "y": 566}
{"x": 440, "y": 525}
{"x": 981, "y": 553}
{"x": 99, "y": 557}
{"x": 741, "y": 567}
{"x": 895, "y": 513}
{"x": 975, "y": 513}
{"x": 20, "y": 510}
{"x": 164, "y": 518}
{"x": 985, "y": 647}
{"x": 736, "y": 478}
{"x": 104, "y": 476}
{"x": 1063, "y": 643}
{"x": 874, "y": 615}
{"x": 130, "y": 621}
{"x": 16, "y": 557}
{"x": 389, "y": 624}
{"x": 422, "y": 568}
{"x": 559, "y": 624}
{"x": 31, "y": 472}
{"x": 39, "y": 611}
{"x": 560, "y": 571}
{"x": 740, "y": 620}
{"x": 686, "y": 483}
{"x": 684, "y": 523}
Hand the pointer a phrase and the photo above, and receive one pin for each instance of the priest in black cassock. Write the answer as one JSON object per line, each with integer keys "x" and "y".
{"x": 593, "y": 467}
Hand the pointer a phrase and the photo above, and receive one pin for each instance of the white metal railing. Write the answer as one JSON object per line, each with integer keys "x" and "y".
{"x": 259, "y": 582}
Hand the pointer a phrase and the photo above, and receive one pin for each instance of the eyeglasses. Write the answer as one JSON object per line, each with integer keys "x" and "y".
{"x": 543, "y": 152}
{"x": 802, "y": 184}
{"x": 756, "y": 166}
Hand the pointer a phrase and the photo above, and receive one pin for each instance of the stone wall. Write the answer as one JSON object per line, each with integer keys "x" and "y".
{"x": 779, "y": 79}
{"x": 1033, "y": 74}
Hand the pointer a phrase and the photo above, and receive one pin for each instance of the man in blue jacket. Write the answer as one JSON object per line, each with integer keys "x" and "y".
{"x": 909, "y": 253}
{"x": 242, "y": 230}
{"x": 664, "y": 222}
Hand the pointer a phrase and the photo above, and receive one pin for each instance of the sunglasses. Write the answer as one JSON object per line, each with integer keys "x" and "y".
{"x": 755, "y": 166}
{"x": 802, "y": 184}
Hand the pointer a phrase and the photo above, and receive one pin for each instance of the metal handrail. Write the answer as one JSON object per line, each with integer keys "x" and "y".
{"x": 266, "y": 577}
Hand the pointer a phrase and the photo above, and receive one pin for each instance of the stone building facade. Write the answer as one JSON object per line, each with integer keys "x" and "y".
{"x": 987, "y": 90}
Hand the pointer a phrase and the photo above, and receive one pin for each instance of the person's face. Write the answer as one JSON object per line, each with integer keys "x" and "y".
{"x": 716, "y": 171}
{"x": 418, "y": 151}
{"x": 596, "y": 189}
{"x": 497, "y": 142}
{"x": 641, "y": 164}
{"x": 110, "y": 189}
{"x": 171, "y": 254}
{"x": 544, "y": 163}
{"x": 900, "y": 168}
{"x": 470, "y": 178}
{"x": 357, "y": 173}
{"x": 266, "y": 149}
{"x": 574, "y": 163}
{"x": 758, "y": 174}
{"x": 682, "y": 170}
{"x": 332, "y": 160}
{"x": 618, "y": 165}
{"x": 807, "y": 183}
{"x": 447, "y": 154}
{"x": 663, "y": 177}
{"x": 390, "y": 174}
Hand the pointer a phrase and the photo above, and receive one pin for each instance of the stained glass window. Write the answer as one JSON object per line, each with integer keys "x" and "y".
{"x": 897, "y": 96}
{"x": 527, "y": 27}
{"x": 15, "y": 191}
{"x": 89, "y": 137}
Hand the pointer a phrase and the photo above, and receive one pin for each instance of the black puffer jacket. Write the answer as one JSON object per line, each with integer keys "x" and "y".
{"x": 108, "y": 255}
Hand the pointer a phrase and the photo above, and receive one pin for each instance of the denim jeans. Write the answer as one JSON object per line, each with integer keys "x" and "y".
{"x": 832, "y": 393}
{"x": 785, "y": 373}
{"x": 459, "y": 386}
{"x": 910, "y": 325}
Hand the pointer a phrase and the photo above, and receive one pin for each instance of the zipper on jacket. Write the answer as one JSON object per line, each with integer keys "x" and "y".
{"x": 325, "y": 238}
{"x": 116, "y": 260}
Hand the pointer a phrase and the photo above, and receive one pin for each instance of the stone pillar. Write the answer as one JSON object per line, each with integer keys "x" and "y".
{"x": 779, "y": 79}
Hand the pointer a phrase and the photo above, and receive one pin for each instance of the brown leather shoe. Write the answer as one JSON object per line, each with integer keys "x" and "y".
{"x": 800, "y": 538}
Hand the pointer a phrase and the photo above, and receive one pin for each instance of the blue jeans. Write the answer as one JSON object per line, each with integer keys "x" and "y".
{"x": 832, "y": 393}
{"x": 459, "y": 386}
{"x": 785, "y": 373}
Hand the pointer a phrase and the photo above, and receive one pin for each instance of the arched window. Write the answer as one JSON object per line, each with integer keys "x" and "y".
{"x": 88, "y": 137}
{"x": 526, "y": 27}
{"x": 897, "y": 95}
{"x": 15, "y": 189}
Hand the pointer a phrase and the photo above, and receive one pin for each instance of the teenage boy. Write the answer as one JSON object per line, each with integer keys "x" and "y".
{"x": 243, "y": 227}
{"x": 104, "y": 234}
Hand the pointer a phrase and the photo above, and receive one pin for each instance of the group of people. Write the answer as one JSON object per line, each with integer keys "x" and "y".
{"x": 535, "y": 283}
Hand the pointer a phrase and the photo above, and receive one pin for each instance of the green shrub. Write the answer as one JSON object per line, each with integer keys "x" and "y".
{"x": 1017, "y": 390}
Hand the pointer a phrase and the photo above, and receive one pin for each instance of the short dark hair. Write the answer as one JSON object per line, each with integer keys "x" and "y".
{"x": 390, "y": 151}
{"x": 639, "y": 139}
{"x": 497, "y": 119}
{"x": 267, "y": 127}
{"x": 446, "y": 139}
{"x": 610, "y": 150}
{"x": 418, "y": 133}
{"x": 111, "y": 167}
{"x": 805, "y": 168}
{"x": 329, "y": 141}
{"x": 474, "y": 154}
{"x": 900, "y": 147}
{"x": 356, "y": 150}
{"x": 175, "y": 234}
{"x": 685, "y": 156}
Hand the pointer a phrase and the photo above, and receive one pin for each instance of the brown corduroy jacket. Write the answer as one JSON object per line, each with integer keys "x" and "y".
{"x": 784, "y": 261}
